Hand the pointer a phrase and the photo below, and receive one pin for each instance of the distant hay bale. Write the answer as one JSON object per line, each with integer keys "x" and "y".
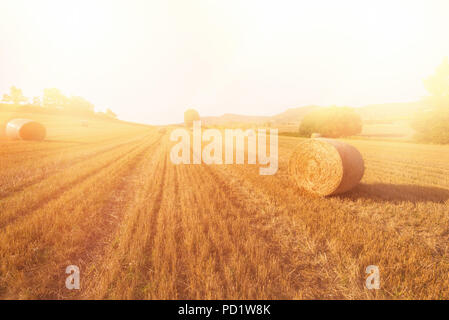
{"x": 25, "y": 129}
{"x": 326, "y": 167}
{"x": 84, "y": 123}
{"x": 315, "y": 135}
{"x": 162, "y": 130}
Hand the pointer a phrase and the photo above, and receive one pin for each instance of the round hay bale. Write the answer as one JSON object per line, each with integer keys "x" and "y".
{"x": 24, "y": 129}
{"x": 326, "y": 167}
{"x": 315, "y": 135}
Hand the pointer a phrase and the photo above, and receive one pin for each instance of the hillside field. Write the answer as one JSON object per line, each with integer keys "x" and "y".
{"x": 108, "y": 199}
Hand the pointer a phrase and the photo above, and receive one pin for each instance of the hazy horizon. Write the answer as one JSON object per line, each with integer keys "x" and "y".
{"x": 150, "y": 61}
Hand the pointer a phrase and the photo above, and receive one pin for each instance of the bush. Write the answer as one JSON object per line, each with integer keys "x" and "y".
{"x": 432, "y": 126}
{"x": 331, "y": 122}
{"x": 190, "y": 116}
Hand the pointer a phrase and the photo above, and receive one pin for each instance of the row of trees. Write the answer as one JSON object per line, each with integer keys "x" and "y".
{"x": 53, "y": 99}
{"x": 332, "y": 122}
{"x": 432, "y": 123}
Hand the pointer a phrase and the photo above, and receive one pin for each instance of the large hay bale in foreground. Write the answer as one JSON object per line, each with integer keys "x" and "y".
{"x": 25, "y": 129}
{"x": 326, "y": 167}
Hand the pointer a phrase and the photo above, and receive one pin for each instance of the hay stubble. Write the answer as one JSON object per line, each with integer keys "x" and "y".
{"x": 109, "y": 200}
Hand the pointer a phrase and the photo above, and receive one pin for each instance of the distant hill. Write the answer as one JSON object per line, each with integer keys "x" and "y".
{"x": 60, "y": 125}
{"x": 389, "y": 111}
{"x": 292, "y": 116}
{"x": 234, "y": 118}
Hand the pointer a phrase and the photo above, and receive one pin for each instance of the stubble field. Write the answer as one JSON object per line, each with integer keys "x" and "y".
{"x": 108, "y": 199}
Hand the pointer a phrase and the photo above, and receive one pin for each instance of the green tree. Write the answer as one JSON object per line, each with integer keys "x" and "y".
{"x": 432, "y": 123}
{"x": 53, "y": 98}
{"x": 189, "y": 116}
{"x": 111, "y": 114}
{"x": 438, "y": 86}
{"x": 37, "y": 101}
{"x": 15, "y": 96}
{"x": 79, "y": 105}
{"x": 331, "y": 122}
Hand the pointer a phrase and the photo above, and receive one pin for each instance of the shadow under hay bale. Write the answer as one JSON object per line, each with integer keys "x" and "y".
{"x": 25, "y": 129}
{"x": 385, "y": 192}
{"x": 326, "y": 167}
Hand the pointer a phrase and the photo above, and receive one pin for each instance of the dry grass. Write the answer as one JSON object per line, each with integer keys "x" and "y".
{"x": 108, "y": 199}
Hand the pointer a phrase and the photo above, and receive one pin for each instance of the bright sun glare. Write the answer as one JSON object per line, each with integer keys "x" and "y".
{"x": 150, "y": 60}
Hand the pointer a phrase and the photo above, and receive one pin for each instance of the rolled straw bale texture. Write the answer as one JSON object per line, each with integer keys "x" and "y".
{"x": 326, "y": 167}
{"x": 24, "y": 129}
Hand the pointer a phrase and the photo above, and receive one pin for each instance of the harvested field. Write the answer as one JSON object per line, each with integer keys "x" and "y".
{"x": 107, "y": 198}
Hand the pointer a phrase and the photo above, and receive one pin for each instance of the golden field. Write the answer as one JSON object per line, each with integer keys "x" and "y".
{"x": 108, "y": 199}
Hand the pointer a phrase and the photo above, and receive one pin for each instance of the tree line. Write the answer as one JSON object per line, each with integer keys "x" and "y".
{"x": 431, "y": 123}
{"x": 52, "y": 100}
{"x": 332, "y": 122}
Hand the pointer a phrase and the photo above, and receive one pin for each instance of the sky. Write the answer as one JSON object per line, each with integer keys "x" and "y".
{"x": 149, "y": 61}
